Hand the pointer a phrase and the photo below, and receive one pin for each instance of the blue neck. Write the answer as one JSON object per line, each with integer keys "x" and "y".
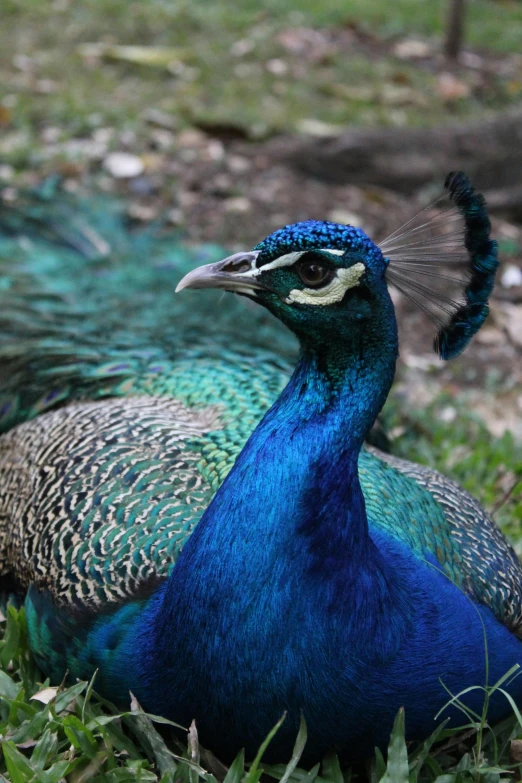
{"x": 282, "y": 561}
{"x": 292, "y": 507}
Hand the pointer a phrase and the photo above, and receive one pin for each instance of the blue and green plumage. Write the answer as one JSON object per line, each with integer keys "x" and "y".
{"x": 320, "y": 577}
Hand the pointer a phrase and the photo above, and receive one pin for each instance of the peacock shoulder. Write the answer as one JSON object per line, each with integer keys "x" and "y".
{"x": 442, "y": 523}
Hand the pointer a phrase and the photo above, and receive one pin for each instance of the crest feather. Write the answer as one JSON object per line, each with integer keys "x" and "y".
{"x": 456, "y": 235}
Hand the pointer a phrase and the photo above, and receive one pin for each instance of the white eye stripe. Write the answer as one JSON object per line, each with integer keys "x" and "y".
{"x": 287, "y": 260}
{"x": 290, "y": 258}
{"x": 331, "y": 293}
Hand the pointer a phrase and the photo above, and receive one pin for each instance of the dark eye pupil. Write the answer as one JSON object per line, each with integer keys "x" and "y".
{"x": 312, "y": 273}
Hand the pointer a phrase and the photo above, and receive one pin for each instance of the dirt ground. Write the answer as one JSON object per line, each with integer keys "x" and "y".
{"x": 234, "y": 193}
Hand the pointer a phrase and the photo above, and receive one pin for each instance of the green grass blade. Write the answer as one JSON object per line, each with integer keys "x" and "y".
{"x": 418, "y": 758}
{"x": 397, "y": 768}
{"x": 299, "y": 746}
{"x": 254, "y": 773}
{"x": 237, "y": 769}
{"x": 20, "y": 769}
{"x": 379, "y": 767}
{"x": 151, "y": 739}
{"x": 45, "y": 748}
{"x": 331, "y": 769}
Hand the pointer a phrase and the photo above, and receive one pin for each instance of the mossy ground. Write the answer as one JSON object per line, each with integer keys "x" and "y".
{"x": 263, "y": 66}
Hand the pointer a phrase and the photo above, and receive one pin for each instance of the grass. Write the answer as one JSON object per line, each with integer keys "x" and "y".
{"x": 224, "y": 56}
{"x": 489, "y": 468}
{"x": 52, "y": 734}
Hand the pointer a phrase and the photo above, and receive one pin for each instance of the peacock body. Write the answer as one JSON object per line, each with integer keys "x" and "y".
{"x": 180, "y": 516}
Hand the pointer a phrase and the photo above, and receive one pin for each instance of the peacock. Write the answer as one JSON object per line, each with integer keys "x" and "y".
{"x": 187, "y": 506}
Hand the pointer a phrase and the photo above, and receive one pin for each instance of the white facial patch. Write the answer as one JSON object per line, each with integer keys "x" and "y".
{"x": 331, "y": 293}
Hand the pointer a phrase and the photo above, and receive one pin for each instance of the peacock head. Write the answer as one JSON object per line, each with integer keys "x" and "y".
{"x": 321, "y": 279}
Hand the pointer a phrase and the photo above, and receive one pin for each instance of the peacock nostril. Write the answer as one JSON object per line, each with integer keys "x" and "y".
{"x": 237, "y": 266}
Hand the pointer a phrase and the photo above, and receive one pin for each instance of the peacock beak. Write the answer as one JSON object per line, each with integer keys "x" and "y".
{"x": 236, "y": 273}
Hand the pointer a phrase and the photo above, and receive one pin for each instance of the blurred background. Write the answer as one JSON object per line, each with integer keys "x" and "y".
{"x": 231, "y": 119}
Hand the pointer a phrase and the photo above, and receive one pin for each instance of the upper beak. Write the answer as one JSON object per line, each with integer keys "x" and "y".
{"x": 235, "y": 273}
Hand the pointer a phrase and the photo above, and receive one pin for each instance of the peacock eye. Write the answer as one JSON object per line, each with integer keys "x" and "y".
{"x": 314, "y": 274}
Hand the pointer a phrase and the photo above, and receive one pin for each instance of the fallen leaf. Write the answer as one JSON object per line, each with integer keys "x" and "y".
{"x": 45, "y": 86}
{"x": 472, "y": 60}
{"x": 412, "y": 49}
{"x": 490, "y": 335}
{"x": 27, "y": 744}
{"x": 399, "y": 95}
{"x": 160, "y": 119}
{"x": 46, "y": 695}
{"x": 450, "y": 88}
{"x": 151, "y": 56}
{"x": 238, "y": 164}
{"x": 142, "y": 212}
{"x": 313, "y": 127}
{"x": 515, "y": 750}
{"x": 510, "y": 317}
{"x": 242, "y": 47}
{"x": 309, "y": 44}
{"x": 238, "y": 204}
{"x": 5, "y": 116}
{"x": 364, "y": 94}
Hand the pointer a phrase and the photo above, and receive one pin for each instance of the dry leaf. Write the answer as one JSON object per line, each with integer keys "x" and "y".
{"x": 510, "y": 317}
{"x": 412, "y": 49}
{"x": 313, "y": 127}
{"x": 490, "y": 335}
{"x": 5, "y": 116}
{"x": 515, "y": 750}
{"x": 46, "y": 695}
{"x": 452, "y": 89}
{"x": 398, "y": 95}
{"x": 151, "y": 56}
{"x": 237, "y": 204}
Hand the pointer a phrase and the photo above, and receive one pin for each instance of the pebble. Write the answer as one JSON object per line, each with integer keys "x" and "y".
{"x": 123, "y": 165}
{"x": 511, "y": 276}
{"x": 448, "y": 414}
{"x": 7, "y": 172}
{"x": 411, "y": 49}
{"x": 277, "y": 67}
{"x": 345, "y": 217}
{"x": 238, "y": 204}
{"x": 238, "y": 164}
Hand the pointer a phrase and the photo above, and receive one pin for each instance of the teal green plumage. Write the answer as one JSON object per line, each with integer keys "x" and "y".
{"x": 88, "y": 312}
{"x": 124, "y": 408}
